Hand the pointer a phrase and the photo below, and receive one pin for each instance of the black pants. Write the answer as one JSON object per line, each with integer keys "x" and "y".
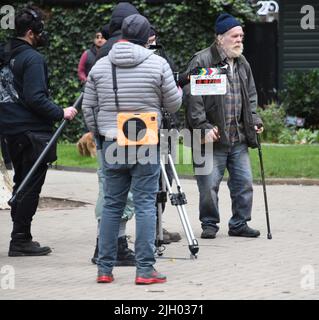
{"x": 23, "y": 157}
{"x": 4, "y": 151}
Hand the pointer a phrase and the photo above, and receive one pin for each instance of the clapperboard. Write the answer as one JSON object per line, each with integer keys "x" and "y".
{"x": 208, "y": 81}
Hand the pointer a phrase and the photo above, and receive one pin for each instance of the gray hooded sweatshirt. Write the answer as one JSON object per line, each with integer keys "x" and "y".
{"x": 145, "y": 84}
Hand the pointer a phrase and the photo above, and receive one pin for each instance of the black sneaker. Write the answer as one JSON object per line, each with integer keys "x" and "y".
{"x": 104, "y": 277}
{"x": 150, "y": 277}
{"x": 125, "y": 256}
{"x": 244, "y": 231}
{"x": 208, "y": 233}
{"x": 27, "y": 248}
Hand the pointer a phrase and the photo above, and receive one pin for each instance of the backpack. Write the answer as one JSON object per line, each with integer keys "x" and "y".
{"x": 7, "y": 91}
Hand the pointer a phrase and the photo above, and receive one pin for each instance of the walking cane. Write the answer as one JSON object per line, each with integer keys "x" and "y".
{"x": 269, "y": 236}
{"x": 54, "y": 138}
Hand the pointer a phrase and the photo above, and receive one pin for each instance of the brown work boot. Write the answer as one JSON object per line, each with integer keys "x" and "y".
{"x": 171, "y": 236}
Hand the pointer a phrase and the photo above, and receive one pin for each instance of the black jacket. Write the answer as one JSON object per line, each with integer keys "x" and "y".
{"x": 34, "y": 111}
{"x": 120, "y": 12}
{"x": 204, "y": 112}
{"x": 91, "y": 58}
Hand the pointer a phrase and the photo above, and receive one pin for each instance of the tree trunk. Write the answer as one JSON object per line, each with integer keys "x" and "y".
{"x": 5, "y": 186}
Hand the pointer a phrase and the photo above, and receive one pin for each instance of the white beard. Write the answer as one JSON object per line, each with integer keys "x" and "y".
{"x": 234, "y": 52}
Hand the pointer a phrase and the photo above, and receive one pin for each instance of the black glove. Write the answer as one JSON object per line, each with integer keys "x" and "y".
{"x": 184, "y": 78}
{"x": 195, "y": 71}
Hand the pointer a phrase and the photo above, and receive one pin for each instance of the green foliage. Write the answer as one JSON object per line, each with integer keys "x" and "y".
{"x": 273, "y": 117}
{"x": 301, "y": 136}
{"x": 306, "y": 136}
{"x": 289, "y": 161}
{"x": 183, "y": 29}
{"x": 189, "y": 27}
{"x": 287, "y": 136}
{"x": 301, "y": 96}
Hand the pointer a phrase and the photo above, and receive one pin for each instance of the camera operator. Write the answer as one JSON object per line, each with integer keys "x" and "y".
{"x": 132, "y": 62}
{"x": 170, "y": 121}
{"x": 27, "y": 122}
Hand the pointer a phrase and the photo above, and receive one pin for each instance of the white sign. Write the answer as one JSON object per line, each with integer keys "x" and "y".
{"x": 204, "y": 85}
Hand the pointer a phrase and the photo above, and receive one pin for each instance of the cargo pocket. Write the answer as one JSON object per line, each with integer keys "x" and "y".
{"x": 39, "y": 141}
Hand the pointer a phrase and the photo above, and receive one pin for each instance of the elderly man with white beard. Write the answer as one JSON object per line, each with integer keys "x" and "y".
{"x": 227, "y": 119}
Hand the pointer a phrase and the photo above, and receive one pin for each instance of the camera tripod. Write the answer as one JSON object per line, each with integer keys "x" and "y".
{"x": 178, "y": 199}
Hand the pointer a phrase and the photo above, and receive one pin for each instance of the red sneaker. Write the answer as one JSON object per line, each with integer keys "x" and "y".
{"x": 104, "y": 278}
{"x": 149, "y": 278}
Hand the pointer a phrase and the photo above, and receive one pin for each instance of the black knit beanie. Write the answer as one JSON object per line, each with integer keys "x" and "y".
{"x": 136, "y": 29}
{"x": 120, "y": 12}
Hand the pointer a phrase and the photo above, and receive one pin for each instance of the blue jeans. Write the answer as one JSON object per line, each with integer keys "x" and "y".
{"x": 142, "y": 179}
{"x": 236, "y": 160}
{"x": 129, "y": 208}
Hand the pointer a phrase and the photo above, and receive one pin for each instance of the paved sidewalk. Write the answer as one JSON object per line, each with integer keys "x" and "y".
{"x": 286, "y": 267}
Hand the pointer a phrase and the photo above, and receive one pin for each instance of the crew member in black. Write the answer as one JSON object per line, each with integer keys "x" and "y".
{"x": 27, "y": 122}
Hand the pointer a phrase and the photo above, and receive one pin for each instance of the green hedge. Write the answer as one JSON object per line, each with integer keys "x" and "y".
{"x": 301, "y": 96}
{"x": 183, "y": 29}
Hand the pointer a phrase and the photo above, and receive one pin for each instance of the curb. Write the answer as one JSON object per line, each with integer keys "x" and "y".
{"x": 73, "y": 169}
{"x": 270, "y": 181}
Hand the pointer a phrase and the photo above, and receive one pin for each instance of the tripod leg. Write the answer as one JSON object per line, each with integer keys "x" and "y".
{"x": 179, "y": 200}
{"x": 161, "y": 199}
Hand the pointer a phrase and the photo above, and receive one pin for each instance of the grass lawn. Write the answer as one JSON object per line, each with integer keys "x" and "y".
{"x": 280, "y": 161}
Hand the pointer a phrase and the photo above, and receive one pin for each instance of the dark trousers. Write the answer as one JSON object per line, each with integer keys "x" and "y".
{"x": 4, "y": 151}
{"x": 22, "y": 211}
{"x": 240, "y": 183}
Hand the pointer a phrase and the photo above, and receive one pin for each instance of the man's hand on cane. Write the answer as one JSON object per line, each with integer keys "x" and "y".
{"x": 259, "y": 128}
{"x": 212, "y": 135}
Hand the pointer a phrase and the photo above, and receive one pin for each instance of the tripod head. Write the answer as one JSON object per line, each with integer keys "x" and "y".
{"x": 167, "y": 124}
{"x": 167, "y": 121}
